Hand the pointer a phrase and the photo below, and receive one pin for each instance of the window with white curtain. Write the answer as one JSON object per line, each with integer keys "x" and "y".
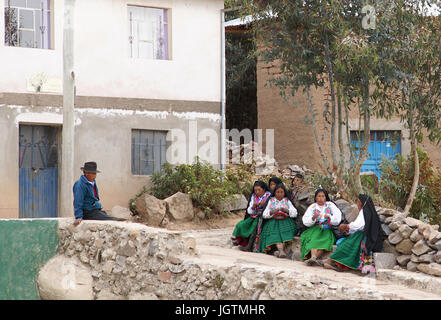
{"x": 148, "y": 38}
{"x": 28, "y": 23}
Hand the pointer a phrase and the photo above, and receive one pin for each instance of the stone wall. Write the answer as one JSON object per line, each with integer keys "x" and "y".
{"x": 121, "y": 260}
{"x": 416, "y": 245}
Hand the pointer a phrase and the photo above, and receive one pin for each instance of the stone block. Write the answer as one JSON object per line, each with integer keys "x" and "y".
{"x": 384, "y": 260}
{"x": 420, "y": 248}
{"x": 394, "y": 225}
{"x": 180, "y": 207}
{"x": 412, "y": 222}
{"x": 403, "y": 260}
{"x": 405, "y": 246}
{"x": 239, "y": 202}
{"x": 433, "y": 269}
{"x": 412, "y": 266}
{"x": 416, "y": 236}
{"x": 395, "y": 238}
{"x": 405, "y": 231}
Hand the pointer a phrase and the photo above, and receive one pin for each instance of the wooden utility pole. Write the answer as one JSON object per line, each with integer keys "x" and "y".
{"x": 67, "y": 153}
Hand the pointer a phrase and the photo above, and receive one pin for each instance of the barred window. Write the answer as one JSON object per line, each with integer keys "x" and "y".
{"x": 28, "y": 23}
{"x": 148, "y": 151}
{"x": 149, "y": 33}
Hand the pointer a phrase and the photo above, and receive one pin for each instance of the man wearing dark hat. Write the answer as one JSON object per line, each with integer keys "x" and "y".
{"x": 86, "y": 197}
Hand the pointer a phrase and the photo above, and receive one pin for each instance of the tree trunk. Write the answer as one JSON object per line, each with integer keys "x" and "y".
{"x": 357, "y": 188}
{"x": 332, "y": 88}
{"x": 414, "y": 151}
{"x": 341, "y": 162}
{"x": 314, "y": 127}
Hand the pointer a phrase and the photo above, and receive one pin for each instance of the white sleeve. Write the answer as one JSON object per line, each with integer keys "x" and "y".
{"x": 292, "y": 210}
{"x": 266, "y": 213}
{"x": 336, "y": 214}
{"x": 250, "y": 207}
{"x": 307, "y": 217}
{"x": 357, "y": 224}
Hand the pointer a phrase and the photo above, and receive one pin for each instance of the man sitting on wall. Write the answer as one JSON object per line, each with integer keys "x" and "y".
{"x": 86, "y": 198}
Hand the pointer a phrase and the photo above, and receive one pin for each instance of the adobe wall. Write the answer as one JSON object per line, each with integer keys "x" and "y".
{"x": 294, "y": 139}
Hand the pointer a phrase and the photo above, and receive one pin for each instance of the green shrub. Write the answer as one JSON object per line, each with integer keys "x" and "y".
{"x": 396, "y": 182}
{"x": 206, "y": 185}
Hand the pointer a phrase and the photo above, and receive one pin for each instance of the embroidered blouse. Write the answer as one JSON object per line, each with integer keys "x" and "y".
{"x": 256, "y": 199}
{"x": 328, "y": 208}
{"x": 357, "y": 224}
{"x": 279, "y": 204}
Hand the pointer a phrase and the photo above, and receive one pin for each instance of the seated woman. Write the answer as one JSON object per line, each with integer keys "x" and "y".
{"x": 319, "y": 217}
{"x": 366, "y": 237}
{"x": 246, "y": 231}
{"x": 279, "y": 227}
{"x": 273, "y": 182}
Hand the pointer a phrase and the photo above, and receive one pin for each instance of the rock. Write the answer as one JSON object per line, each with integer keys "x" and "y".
{"x": 436, "y": 245}
{"x": 438, "y": 257}
{"x": 405, "y": 246}
{"x": 165, "y": 276}
{"x": 175, "y": 260}
{"x": 384, "y": 260}
{"x": 386, "y": 229}
{"x": 427, "y": 233}
{"x": 351, "y": 213}
{"x": 412, "y": 266}
{"x": 120, "y": 213}
{"x": 63, "y": 278}
{"x": 150, "y": 209}
{"x": 420, "y": 248}
{"x": 427, "y": 258}
{"x": 390, "y": 212}
{"x": 435, "y": 227}
{"x": 416, "y": 236}
{"x": 403, "y": 259}
{"x": 433, "y": 269}
{"x": 382, "y": 218}
{"x": 412, "y": 222}
{"x": 414, "y": 258}
{"x": 180, "y": 207}
{"x": 395, "y": 237}
{"x": 400, "y": 217}
{"x": 405, "y": 231}
{"x": 422, "y": 227}
{"x": 239, "y": 202}
{"x": 295, "y": 169}
{"x": 434, "y": 237}
{"x": 388, "y": 248}
{"x": 394, "y": 225}
{"x": 388, "y": 220}
{"x": 126, "y": 248}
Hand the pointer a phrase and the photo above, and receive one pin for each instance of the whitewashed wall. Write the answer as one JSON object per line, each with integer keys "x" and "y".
{"x": 102, "y": 63}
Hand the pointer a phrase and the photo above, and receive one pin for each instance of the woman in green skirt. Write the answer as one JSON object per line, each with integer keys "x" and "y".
{"x": 244, "y": 233}
{"x": 319, "y": 217}
{"x": 365, "y": 237}
{"x": 279, "y": 227}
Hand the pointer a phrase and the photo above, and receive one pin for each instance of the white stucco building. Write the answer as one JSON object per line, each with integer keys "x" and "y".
{"x": 142, "y": 68}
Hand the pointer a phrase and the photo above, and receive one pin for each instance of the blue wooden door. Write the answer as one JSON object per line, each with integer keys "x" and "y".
{"x": 38, "y": 171}
{"x": 383, "y": 144}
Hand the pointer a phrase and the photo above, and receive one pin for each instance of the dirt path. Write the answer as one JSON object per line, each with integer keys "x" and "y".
{"x": 215, "y": 248}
